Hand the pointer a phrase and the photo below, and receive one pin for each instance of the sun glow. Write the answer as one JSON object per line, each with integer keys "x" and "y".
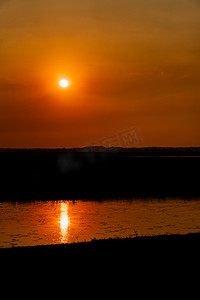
{"x": 64, "y": 83}
{"x": 64, "y": 221}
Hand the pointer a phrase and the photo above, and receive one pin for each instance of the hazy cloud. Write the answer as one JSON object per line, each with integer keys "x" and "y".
{"x": 131, "y": 62}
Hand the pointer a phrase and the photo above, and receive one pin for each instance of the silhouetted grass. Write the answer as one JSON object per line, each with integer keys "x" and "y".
{"x": 142, "y": 258}
{"x": 126, "y": 245}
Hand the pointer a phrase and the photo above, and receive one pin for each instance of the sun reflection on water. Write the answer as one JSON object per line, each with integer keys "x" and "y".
{"x": 64, "y": 222}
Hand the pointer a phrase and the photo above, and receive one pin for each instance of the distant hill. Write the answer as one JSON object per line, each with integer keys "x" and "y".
{"x": 137, "y": 151}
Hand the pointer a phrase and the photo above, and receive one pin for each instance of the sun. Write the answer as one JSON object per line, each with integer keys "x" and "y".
{"x": 64, "y": 83}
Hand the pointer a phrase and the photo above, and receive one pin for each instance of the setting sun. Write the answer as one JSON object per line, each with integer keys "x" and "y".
{"x": 64, "y": 83}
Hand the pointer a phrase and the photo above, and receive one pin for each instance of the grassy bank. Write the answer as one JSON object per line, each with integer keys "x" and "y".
{"x": 128, "y": 245}
{"x": 141, "y": 259}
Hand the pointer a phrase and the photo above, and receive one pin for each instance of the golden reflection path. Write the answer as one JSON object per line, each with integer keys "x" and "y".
{"x": 64, "y": 222}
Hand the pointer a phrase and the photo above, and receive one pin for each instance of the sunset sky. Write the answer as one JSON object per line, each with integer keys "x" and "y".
{"x": 130, "y": 64}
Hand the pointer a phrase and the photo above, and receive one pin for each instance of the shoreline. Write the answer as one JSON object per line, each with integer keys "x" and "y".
{"x": 96, "y": 245}
{"x": 137, "y": 257}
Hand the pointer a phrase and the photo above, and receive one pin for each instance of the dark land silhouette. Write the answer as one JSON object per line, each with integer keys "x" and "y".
{"x": 98, "y": 173}
{"x": 135, "y": 256}
{"x": 112, "y": 245}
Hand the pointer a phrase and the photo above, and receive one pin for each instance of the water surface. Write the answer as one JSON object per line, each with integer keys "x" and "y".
{"x": 54, "y": 222}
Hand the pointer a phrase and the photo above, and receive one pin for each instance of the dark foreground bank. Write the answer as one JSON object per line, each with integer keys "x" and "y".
{"x": 125, "y": 263}
{"x": 143, "y": 245}
{"x": 143, "y": 265}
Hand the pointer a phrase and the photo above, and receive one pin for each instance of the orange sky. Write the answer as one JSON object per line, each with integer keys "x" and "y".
{"x": 131, "y": 64}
